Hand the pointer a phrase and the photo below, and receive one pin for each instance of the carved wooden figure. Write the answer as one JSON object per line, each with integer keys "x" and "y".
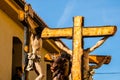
{"x": 60, "y": 65}
{"x": 34, "y": 58}
{"x": 86, "y": 52}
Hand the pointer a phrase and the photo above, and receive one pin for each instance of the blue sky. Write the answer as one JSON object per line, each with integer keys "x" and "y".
{"x": 60, "y": 13}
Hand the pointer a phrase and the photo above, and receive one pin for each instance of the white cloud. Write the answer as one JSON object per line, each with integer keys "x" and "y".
{"x": 67, "y": 12}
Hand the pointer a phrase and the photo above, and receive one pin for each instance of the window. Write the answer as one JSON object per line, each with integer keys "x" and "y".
{"x": 16, "y": 56}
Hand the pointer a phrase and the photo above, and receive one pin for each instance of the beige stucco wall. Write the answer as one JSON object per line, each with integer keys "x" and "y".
{"x": 8, "y": 30}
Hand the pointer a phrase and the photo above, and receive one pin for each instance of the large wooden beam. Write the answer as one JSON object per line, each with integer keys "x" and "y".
{"x": 57, "y": 32}
{"x": 94, "y": 59}
{"x": 99, "y": 58}
{"x": 26, "y": 50}
{"x": 33, "y": 25}
{"x": 85, "y": 65}
{"x": 95, "y": 31}
{"x": 77, "y": 49}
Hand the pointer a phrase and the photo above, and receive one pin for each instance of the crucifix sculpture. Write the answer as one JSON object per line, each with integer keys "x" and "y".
{"x": 80, "y": 57}
{"x": 77, "y": 33}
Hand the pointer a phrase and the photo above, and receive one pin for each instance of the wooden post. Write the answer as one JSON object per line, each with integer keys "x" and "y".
{"x": 85, "y": 65}
{"x": 26, "y": 50}
{"x": 77, "y": 48}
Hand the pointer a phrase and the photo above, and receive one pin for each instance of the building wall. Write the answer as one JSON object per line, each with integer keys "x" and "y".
{"x": 8, "y": 30}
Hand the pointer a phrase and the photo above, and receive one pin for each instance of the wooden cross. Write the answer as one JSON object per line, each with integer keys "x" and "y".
{"x": 77, "y": 32}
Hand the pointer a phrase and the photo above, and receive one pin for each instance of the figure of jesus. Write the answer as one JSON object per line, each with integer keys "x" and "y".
{"x": 34, "y": 57}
